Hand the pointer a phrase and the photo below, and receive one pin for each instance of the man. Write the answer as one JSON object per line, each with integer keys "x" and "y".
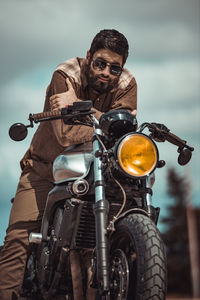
{"x": 100, "y": 77}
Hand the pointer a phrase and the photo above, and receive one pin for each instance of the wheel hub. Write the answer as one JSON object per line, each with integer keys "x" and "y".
{"x": 119, "y": 275}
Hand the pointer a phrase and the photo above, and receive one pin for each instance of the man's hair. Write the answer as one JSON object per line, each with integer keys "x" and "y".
{"x": 112, "y": 40}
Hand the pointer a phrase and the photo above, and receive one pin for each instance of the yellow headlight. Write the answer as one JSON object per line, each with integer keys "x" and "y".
{"x": 137, "y": 155}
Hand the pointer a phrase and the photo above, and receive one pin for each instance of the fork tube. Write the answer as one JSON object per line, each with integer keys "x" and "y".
{"x": 150, "y": 209}
{"x": 101, "y": 209}
{"x": 98, "y": 176}
{"x": 148, "y": 196}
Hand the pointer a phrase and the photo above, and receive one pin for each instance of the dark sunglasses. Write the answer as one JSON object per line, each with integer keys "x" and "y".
{"x": 100, "y": 64}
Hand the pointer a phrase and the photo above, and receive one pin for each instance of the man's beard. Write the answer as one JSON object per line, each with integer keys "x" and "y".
{"x": 99, "y": 86}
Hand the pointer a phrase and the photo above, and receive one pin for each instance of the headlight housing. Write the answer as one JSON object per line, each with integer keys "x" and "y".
{"x": 137, "y": 155}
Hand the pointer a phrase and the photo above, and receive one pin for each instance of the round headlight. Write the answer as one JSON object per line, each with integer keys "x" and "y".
{"x": 137, "y": 155}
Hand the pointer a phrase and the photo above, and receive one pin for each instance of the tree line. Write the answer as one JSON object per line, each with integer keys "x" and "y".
{"x": 181, "y": 277}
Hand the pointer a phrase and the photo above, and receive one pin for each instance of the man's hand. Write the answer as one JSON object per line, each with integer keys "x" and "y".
{"x": 134, "y": 112}
{"x": 59, "y": 101}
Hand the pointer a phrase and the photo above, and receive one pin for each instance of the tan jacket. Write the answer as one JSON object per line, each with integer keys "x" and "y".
{"x": 51, "y": 138}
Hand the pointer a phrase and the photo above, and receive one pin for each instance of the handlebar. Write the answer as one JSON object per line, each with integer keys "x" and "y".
{"x": 73, "y": 115}
{"x": 175, "y": 140}
{"x": 161, "y": 133}
{"x": 44, "y": 116}
{"x": 77, "y": 108}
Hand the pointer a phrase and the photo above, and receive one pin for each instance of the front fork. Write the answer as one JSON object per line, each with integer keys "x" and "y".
{"x": 152, "y": 211}
{"x": 101, "y": 210}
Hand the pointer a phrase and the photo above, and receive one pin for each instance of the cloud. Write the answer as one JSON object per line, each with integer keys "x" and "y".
{"x": 35, "y": 33}
{"x": 169, "y": 92}
{"x": 26, "y": 91}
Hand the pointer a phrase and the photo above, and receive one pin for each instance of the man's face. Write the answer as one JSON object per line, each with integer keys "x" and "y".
{"x": 104, "y": 70}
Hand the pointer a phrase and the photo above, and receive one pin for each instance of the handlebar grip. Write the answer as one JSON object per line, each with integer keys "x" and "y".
{"x": 45, "y": 115}
{"x": 174, "y": 139}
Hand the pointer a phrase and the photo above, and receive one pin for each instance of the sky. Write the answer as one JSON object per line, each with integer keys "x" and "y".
{"x": 164, "y": 57}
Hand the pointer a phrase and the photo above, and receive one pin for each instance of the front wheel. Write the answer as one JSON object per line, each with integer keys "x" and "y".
{"x": 138, "y": 260}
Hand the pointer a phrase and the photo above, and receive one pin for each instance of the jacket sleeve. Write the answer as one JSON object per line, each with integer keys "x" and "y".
{"x": 67, "y": 134}
{"x": 126, "y": 98}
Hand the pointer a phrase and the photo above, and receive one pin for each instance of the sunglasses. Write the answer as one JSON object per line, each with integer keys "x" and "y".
{"x": 100, "y": 64}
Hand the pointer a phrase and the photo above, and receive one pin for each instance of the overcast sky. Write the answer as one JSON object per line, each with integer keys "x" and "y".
{"x": 164, "y": 39}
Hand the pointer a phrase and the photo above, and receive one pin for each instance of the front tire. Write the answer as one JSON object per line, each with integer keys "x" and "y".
{"x": 136, "y": 243}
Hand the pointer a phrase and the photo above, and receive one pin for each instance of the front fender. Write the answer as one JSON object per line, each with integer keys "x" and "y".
{"x": 131, "y": 211}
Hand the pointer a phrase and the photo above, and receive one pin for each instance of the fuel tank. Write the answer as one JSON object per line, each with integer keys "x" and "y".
{"x": 73, "y": 163}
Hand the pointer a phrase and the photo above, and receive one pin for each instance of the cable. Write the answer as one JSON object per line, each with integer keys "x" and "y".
{"x": 110, "y": 226}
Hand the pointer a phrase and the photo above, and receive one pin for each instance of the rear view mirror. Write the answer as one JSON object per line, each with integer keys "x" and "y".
{"x": 184, "y": 157}
{"x": 18, "y": 132}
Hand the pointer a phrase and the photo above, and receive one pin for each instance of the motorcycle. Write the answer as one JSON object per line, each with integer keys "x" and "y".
{"x": 101, "y": 204}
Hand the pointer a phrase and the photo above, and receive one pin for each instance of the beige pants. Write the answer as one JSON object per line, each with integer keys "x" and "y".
{"x": 26, "y": 214}
{"x": 25, "y": 217}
